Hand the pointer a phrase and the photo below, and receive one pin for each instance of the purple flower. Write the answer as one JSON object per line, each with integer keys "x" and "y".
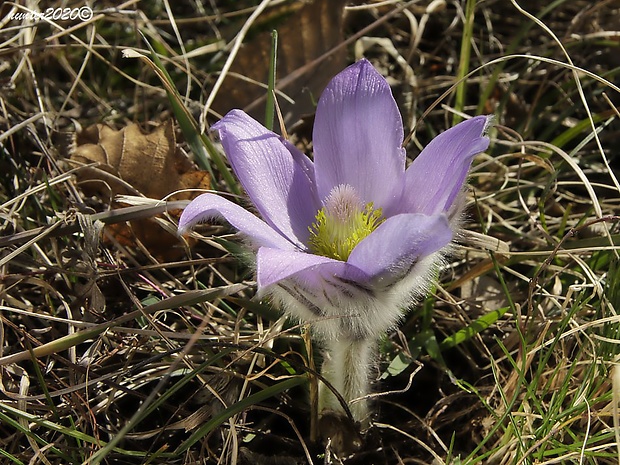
{"x": 348, "y": 240}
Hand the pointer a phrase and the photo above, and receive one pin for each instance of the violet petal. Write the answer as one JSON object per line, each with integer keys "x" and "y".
{"x": 358, "y": 133}
{"x": 209, "y": 206}
{"x": 438, "y": 174}
{"x": 274, "y": 265}
{"x": 277, "y": 177}
{"x": 398, "y": 243}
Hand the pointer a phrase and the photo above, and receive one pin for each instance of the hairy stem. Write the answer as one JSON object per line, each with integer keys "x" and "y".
{"x": 346, "y": 366}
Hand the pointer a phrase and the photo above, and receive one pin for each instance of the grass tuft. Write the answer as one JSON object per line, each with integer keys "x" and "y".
{"x": 119, "y": 349}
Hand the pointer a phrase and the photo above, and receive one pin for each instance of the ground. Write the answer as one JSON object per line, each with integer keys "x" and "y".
{"x": 121, "y": 343}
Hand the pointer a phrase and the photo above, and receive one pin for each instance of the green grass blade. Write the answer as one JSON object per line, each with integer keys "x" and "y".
{"x": 199, "y": 143}
{"x": 8, "y": 413}
{"x": 10, "y": 421}
{"x": 71, "y": 340}
{"x": 13, "y": 459}
{"x": 461, "y": 88}
{"x": 239, "y": 407}
{"x": 146, "y": 408}
{"x": 271, "y": 83}
{"x": 185, "y": 379}
{"x": 514, "y": 45}
{"x": 474, "y": 328}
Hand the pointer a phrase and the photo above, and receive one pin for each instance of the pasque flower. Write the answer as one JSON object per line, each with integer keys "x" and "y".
{"x": 348, "y": 240}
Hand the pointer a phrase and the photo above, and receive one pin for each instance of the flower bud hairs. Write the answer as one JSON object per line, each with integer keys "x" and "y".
{"x": 350, "y": 240}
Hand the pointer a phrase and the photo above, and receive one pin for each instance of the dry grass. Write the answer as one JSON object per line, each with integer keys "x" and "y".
{"x": 114, "y": 349}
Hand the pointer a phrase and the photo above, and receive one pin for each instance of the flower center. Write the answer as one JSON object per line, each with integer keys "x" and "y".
{"x": 342, "y": 223}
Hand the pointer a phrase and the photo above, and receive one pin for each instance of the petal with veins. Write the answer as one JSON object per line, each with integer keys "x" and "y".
{"x": 358, "y": 133}
{"x": 395, "y": 246}
{"x": 208, "y": 206}
{"x": 277, "y": 177}
{"x": 438, "y": 174}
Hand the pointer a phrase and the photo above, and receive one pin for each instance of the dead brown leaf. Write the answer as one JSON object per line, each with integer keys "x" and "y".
{"x": 150, "y": 163}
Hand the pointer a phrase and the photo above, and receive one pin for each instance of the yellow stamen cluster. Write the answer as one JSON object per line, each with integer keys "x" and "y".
{"x": 342, "y": 224}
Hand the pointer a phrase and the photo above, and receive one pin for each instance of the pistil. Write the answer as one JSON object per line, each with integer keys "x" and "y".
{"x": 342, "y": 223}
